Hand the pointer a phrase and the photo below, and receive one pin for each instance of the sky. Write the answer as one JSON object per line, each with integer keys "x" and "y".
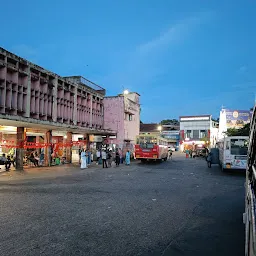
{"x": 183, "y": 57}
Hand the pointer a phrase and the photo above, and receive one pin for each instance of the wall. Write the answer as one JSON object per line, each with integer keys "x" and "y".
{"x": 114, "y": 117}
{"x": 30, "y": 91}
{"x": 132, "y": 124}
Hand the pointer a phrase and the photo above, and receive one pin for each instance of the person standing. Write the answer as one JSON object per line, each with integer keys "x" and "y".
{"x": 190, "y": 153}
{"x": 109, "y": 158}
{"x": 83, "y": 160}
{"x": 117, "y": 158}
{"x": 88, "y": 156}
{"x": 121, "y": 155}
{"x": 98, "y": 156}
{"x": 79, "y": 153}
{"x": 128, "y": 157}
{"x": 104, "y": 158}
{"x": 92, "y": 151}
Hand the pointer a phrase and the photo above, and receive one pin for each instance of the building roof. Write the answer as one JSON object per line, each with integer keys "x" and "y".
{"x": 149, "y": 127}
{"x": 197, "y": 116}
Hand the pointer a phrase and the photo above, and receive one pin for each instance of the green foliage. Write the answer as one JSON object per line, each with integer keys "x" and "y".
{"x": 244, "y": 131}
{"x": 170, "y": 121}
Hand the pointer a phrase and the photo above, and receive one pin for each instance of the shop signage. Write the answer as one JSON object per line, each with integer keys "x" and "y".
{"x": 95, "y": 138}
{"x": 195, "y": 118}
{"x": 237, "y": 118}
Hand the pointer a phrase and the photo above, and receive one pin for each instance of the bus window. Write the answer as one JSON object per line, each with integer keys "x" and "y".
{"x": 239, "y": 147}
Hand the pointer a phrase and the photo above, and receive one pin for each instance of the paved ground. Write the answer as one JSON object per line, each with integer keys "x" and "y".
{"x": 174, "y": 208}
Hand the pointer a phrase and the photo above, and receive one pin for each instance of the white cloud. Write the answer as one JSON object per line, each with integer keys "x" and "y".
{"x": 243, "y": 69}
{"x": 173, "y": 34}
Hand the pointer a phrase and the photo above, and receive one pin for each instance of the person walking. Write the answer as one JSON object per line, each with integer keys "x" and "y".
{"x": 104, "y": 159}
{"x": 169, "y": 154}
{"x": 209, "y": 160}
{"x": 83, "y": 160}
{"x": 128, "y": 158}
{"x": 117, "y": 158}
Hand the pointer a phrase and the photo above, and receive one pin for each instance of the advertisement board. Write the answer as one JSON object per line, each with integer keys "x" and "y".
{"x": 237, "y": 118}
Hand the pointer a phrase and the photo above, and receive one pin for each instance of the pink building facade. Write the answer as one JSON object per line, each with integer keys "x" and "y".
{"x": 122, "y": 114}
{"x": 38, "y": 101}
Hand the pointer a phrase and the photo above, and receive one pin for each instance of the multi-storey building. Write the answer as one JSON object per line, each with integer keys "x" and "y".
{"x": 39, "y": 102}
{"x": 198, "y": 130}
{"x": 122, "y": 114}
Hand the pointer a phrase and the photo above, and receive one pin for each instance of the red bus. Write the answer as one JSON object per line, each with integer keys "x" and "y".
{"x": 150, "y": 147}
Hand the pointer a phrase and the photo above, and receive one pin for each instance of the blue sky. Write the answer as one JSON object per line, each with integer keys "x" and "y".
{"x": 183, "y": 57}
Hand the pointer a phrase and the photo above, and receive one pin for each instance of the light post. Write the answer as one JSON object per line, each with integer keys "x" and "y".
{"x": 159, "y": 128}
{"x": 125, "y": 92}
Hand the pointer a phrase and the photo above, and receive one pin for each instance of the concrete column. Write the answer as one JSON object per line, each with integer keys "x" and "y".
{"x": 2, "y": 97}
{"x": 68, "y": 148}
{"x": 48, "y": 148}
{"x": 54, "y": 103}
{"x": 20, "y": 148}
{"x": 75, "y": 108}
{"x": 86, "y": 136}
{"x": 91, "y": 112}
{"x": 38, "y": 141}
{"x": 28, "y": 94}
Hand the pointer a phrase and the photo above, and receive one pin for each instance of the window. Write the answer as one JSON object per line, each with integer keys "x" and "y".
{"x": 196, "y": 134}
{"x": 202, "y": 134}
{"x": 130, "y": 117}
{"x": 239, "y": 147}
{"x": 188, "y": 134}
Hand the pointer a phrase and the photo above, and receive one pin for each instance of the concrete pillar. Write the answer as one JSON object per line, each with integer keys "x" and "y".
{"x": 86, "y": 136}
{"x": 75, "y": 108}
{"x": 38, "y": 141}
{"x": 48, "y": 148}
{"x": 91, "y": 112}
{"x": 69, "y": 148}
{"x": 28, "y": 94}
{"x": 20, "y": 148}
{"x": 54, "y": 103}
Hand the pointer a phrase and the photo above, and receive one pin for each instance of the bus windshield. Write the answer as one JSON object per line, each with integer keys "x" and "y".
{"x": 146, "y": 139}
{"x": 239, "y": 147}
{"x": 146, "y": 145}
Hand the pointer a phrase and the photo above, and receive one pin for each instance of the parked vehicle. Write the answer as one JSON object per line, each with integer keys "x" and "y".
{"x": 150, "y": 147}
{"x": 250, "y": 190}
{"x": 233, "y": 152}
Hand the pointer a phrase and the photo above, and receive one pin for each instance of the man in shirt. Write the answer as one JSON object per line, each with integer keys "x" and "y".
{"x": 104, "y": 158}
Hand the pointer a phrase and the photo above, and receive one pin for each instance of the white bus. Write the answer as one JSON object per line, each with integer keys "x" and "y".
{"x": 233, "y": 152}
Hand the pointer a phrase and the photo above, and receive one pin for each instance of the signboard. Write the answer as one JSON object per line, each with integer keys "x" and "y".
{"x": 237, "y": 118}
{"x": 195, "y": 118}
{"x": 94, "y": 138}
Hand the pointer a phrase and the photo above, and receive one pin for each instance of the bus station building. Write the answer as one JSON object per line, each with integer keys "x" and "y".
{"x": 42, "y": 111}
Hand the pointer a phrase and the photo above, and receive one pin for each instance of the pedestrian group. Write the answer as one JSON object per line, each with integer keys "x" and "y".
{"x": 104, "y": 157}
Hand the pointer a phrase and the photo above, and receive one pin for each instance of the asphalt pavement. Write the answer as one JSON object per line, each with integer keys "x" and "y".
{"x": 178, "y": 207}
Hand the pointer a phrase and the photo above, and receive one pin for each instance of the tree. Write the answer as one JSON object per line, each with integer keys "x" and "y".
{"x": 216, "y": 120}
{"x": 244, "y": 131}
{"x": 169, "y": 121}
